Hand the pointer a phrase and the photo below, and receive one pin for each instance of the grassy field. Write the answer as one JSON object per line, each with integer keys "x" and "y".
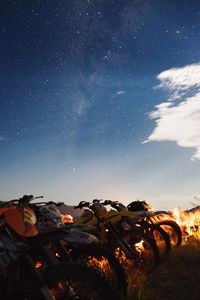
{"x": 177, "y": 277}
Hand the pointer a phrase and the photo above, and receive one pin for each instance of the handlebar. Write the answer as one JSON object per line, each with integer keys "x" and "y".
{"x": 49, "y": 203}
{"x": 115, "y": 204}
{"x": 110, "y": 202}
{"x": 106, "y": 202}
{"x": 21, "y": 201}
{"x": 28, "y": 198}
{"x": 82, "y": 204}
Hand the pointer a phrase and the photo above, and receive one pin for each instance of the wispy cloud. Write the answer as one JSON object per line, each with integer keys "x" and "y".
{"x": 120, "y": 93}
{"x": 178, "y": 118}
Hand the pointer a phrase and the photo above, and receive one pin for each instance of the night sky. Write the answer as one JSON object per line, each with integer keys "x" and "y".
{"x": 100, "y": 99}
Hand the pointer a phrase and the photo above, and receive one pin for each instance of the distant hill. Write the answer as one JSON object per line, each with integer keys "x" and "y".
{"x": 69, "y": 209}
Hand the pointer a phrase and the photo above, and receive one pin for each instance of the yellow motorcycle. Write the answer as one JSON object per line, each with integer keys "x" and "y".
{"x": 127, "y": 243}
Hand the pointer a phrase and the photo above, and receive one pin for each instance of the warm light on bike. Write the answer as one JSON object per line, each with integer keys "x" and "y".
{"x": 38, "y": 264}
{"x": 57, "y": 254}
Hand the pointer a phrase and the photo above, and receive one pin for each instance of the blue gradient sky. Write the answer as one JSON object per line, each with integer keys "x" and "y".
{"x": 78, "y": 84}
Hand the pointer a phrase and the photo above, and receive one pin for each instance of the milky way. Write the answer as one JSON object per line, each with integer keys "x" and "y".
{"x": 78, "y": 84}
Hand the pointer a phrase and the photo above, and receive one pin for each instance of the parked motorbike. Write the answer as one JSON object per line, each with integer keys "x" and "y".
{"x": 161, "y": 218}
{"x": 133, "y": 244}
{"x": 138, "y": 219}
{"x": 29, "y": 270}
{"x": 80, "y": 246}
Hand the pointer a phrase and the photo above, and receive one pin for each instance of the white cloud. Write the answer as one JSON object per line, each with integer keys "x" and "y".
{"x": 180, "y": 79}
{"x": 179, "y": 121}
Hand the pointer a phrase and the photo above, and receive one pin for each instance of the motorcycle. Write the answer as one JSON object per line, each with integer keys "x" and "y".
{"x": 29, "y": 270}
{"x": 80, "y": 246}
{"x": 131, "y": 243}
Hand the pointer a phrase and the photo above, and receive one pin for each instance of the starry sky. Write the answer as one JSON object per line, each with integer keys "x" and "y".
{"x": 100, "y": 99}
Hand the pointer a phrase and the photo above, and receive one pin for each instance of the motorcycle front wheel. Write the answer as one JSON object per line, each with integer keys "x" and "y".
{"x": 144, "y": 249}
{"x": 70, "y": 281}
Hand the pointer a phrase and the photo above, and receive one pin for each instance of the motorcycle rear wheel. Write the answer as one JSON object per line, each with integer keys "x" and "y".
{"x": 173, "y": 230}
{"x": 70, "y": 281}
{"x": 160, "y": 236}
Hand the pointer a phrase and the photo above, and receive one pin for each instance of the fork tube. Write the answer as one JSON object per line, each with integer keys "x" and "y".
{"x": 49, "y": 256}
{"x": 38, "y": 278}
{"x": 129, "y": 253}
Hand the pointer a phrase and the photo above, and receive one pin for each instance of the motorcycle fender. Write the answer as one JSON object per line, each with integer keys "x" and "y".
{"x": 80, "y": 237}
{"x": 50, "y": 237}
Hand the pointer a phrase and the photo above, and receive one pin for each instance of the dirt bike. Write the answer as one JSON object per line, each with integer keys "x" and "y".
{"x": 162, "y": 218}
{"x": 132, "y": 244}
{"x": 138, "y": 219}
{"x": 30, "y": 271}
{"x": 80, "y": 246}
